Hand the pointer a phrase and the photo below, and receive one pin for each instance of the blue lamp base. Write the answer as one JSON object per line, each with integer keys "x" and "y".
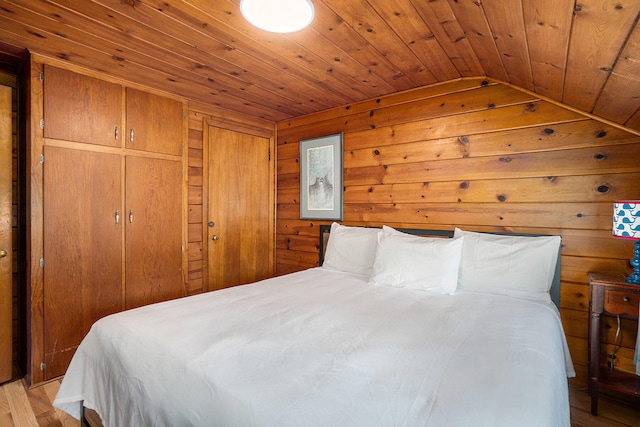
{"x": 634, "y": 278}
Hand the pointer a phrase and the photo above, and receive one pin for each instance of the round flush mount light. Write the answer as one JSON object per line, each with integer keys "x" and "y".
{"x": 278, "y": 16}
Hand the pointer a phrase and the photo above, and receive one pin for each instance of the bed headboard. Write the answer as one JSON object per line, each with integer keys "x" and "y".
{"x": 555, "y": 285}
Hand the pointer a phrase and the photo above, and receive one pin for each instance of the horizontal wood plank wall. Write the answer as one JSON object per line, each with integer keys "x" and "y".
{"x": 195, "y": 283}
{"x": 479, "y": 155}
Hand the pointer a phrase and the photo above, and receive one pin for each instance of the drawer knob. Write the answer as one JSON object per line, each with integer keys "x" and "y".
{"x": 626, "y": 299}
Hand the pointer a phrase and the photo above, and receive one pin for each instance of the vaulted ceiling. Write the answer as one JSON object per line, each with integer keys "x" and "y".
{"x": 585, "y": 54}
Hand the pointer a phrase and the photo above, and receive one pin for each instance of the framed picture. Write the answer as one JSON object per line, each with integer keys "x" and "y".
{"x": 321, "y": 178}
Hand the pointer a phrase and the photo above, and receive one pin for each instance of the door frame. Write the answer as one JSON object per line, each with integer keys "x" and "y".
{"x": 240, "y": 128}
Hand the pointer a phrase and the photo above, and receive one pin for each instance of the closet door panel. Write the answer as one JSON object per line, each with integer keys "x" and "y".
{"x": 82, "y": 248}
{"x": 81, "y": 108}
{"x": 153, "y": 230}
{"x": 238, "y": 181}
{"x": 154, "y": 123}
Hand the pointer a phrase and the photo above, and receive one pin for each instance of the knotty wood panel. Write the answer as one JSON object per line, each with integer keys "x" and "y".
{"x": 508, "y": 29}
{"x": 206, "y": 52}
{"x": 375, "y": 31}
{"x": 589, "y": 64}
{"x": 461, "y": 159}
{"x": 548, "y": 27}
{"x": 610, "y": 104}
{"x": 451, "y": 35}
{"x": 417, "y": 35}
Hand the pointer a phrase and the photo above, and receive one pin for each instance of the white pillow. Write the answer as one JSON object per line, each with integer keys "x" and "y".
{"x": 407, "y": 261}
{"x": 519, "y": 266}
{"x": 351, "y": 249}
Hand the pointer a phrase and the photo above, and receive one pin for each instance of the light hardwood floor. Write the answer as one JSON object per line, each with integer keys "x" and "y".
{"x": 20, "y": 407}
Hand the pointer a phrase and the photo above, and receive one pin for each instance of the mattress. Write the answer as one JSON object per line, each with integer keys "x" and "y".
{"x": 325, "y": 348}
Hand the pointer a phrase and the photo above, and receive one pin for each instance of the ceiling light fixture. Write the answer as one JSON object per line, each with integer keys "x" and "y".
{"x": 278, "y": 16}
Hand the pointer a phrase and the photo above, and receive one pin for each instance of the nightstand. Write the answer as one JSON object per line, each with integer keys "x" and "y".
{"x": 610, "y": 295}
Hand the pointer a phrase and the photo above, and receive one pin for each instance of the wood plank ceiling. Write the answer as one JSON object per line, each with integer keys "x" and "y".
{"x": 584, "y": 53}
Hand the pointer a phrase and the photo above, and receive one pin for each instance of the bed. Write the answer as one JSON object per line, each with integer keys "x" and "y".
{"x": 391, "y": 330}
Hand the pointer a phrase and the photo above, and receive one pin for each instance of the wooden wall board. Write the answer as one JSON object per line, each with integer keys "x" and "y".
{"x": 79, "y": 29}
{"x": 548, "y": 189}
{"x": 418, "y": 36}
{"x": 548, "y": 28}
{"x": 408, "y": 96}
{"x": 612, "y": 159}
{"x": 377, "y": 32}
{"x": 508, "y": 29}
{"x": 206, "y": 51}
{"x": 474, "y": 22}
{"x": 484, "y": 97}
{"x": 589, "y": 64}
{"x": 620, "y": 98}
{"x": 527, "y": 167}
{"x": 331, "y": 29}
{"x": 442, "y": 22}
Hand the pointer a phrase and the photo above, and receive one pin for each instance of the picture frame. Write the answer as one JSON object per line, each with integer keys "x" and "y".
{"x": 321, "y": 178}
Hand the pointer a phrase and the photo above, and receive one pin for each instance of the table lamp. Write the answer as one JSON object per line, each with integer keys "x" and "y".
{"x": 626, "y": 225}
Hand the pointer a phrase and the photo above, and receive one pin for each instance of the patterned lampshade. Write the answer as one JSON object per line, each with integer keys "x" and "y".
{"x": 626, "y": 225}
{"x": 626, "y": 219}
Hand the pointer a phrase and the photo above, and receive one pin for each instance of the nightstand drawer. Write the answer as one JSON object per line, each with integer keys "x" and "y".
{"x": 621, "y": 302}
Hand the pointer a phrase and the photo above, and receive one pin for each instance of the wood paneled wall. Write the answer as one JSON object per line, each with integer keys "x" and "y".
{"x": 479, "y": 155}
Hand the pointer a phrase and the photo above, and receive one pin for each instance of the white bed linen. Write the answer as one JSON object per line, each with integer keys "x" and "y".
{"x": 324, "y": 348}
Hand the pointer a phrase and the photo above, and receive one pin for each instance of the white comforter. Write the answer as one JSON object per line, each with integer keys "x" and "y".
{"x": 324, "y": 348}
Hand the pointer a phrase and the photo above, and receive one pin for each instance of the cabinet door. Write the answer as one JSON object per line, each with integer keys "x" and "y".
{"x": 153, "y": 230}
{"x": 82, "y": 109}
{"x": 154, "y": 123}
{"x": 82, "y": 248}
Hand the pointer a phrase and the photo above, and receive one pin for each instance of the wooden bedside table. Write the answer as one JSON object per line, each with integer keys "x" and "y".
{"x": 610, "y": 295}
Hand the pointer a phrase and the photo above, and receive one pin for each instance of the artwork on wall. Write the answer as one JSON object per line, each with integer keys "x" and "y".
{"x": 321, "y": 178}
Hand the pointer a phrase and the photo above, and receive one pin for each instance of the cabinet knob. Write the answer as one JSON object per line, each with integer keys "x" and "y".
{"x": 215, "y": 237}
{"x": 3, "y": 253}
{"x": 626, "y": 299}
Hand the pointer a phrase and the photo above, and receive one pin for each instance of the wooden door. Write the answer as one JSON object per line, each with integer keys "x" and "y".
{"x": 6, "y": 271}
{"x": 153, "y": 230}
{"x": 238, "y": 193}
{"x": 82, "y": 248}
{"x": 81, "y": 108}
{"x": 154, "y": 123}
